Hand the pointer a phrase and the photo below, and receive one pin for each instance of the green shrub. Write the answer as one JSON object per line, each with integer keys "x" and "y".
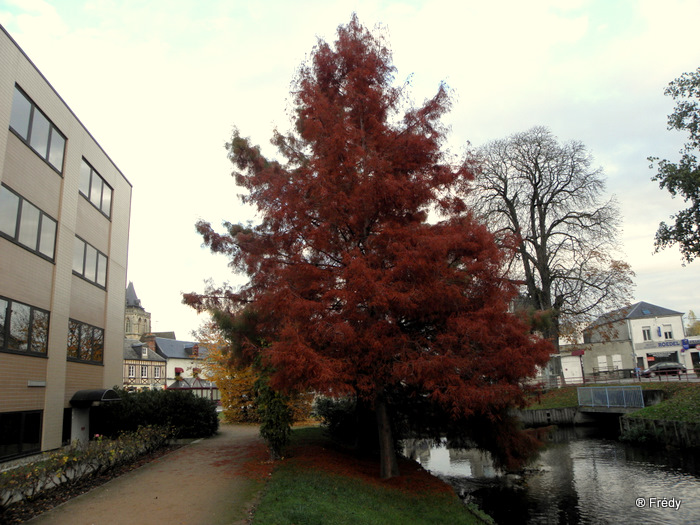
{"x": 337, "y": 416}
{"x": 187, "y": 415}
{"x": 275, "y": 417}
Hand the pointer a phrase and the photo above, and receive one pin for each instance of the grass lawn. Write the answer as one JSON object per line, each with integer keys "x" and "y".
{"x": 682, "y": 403}
{"x": 320, "y": 483}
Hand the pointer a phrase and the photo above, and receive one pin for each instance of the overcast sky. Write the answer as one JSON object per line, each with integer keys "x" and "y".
{"x": 160, "y": 85}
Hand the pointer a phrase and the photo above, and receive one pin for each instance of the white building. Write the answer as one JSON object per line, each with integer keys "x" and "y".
{"x": 636, "y": 336}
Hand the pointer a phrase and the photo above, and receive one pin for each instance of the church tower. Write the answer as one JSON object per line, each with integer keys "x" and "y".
{"x": 137, "y": 319}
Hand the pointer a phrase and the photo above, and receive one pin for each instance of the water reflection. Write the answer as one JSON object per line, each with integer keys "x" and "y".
{"x": 579, "y": 478}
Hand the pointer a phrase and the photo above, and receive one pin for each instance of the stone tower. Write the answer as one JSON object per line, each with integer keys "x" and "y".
{"x": 137, "y": 319}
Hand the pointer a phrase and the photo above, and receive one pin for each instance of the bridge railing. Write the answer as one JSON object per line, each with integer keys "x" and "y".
{"x": 611, "y": 396}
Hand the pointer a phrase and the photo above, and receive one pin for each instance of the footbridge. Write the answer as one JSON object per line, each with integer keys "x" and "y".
{"x": 610, "y": 399}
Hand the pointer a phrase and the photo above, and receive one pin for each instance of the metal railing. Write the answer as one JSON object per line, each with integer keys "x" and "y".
{"x": 611, "y": 396}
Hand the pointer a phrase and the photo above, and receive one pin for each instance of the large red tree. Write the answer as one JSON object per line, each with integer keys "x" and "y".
{"x": 354, "y": 289}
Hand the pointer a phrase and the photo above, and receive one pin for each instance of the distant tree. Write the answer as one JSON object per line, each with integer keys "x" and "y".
{"x": 693, "y": 327}
{"x": 353, "y": 290}
{"x": 683, "y": 178}
{"x": 238, "y": 380}
{"x": 548, "y": 196}
{"x": 236, "y": 383}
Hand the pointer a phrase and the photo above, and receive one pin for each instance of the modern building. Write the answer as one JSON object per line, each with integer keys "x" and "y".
{"x": 636, "y": 336}
{"x": 64, "y": 228}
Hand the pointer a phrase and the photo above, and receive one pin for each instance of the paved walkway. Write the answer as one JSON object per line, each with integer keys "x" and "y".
{"x": 212, "y": 481}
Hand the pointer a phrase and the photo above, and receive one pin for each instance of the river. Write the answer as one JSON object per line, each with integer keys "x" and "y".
{"x": 580, "y": 477}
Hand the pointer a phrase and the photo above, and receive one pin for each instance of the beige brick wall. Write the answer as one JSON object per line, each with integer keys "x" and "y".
{"x": 28, "y": 278}
{"x": 82, "y": 376}
{"x": 15, "y": 393}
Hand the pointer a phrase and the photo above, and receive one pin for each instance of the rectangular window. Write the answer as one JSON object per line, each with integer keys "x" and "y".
{"x": 144, "y": 371}
{"x": 646, "y": 333}
{"x": 132, "y": 371}
{"x": 23, "y": 328}
{"x": 95, "y": 189}
{"x": 85, "y": 342}
{"x": 25, "y": 224}
{"x": 89, "y": 263}
{"x": 156, "y": 372}
{"x": 668, "y": 332}
{"x": 36, "y": 130}
{"x": 20, "y": 433}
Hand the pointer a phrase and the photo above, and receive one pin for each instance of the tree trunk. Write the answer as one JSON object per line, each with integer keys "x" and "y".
{"x": 388, "y": 464}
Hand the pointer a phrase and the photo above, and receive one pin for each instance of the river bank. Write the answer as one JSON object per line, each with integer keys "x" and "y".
{"x": 671, "y": 415}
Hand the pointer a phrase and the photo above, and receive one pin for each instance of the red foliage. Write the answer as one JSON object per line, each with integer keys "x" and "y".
{"x": 355, "y": 291}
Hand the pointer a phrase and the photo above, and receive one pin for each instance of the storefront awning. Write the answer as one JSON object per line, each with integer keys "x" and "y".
{"x": 85, "y": 398}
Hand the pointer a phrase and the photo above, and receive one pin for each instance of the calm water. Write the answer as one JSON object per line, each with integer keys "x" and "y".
{"x": 579, "y": 478}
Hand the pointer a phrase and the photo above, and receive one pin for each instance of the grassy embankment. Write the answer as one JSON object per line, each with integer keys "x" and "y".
{"x": 681, "y": 403}
{"x": 319, "y": 483}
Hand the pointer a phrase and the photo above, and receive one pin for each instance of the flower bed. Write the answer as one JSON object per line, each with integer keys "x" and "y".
{"x": 74, "y": 464}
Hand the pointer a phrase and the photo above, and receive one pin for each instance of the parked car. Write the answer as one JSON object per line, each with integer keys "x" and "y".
{"x": 664, "y": 369}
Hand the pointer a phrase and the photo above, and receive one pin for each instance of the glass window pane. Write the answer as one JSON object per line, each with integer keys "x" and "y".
{"x": 29, "y": 225}
{"x": 40, "y": 331}
{"x": 31, "y": 432}
{"x": 85, "y": 178}
{"x": 73, "y": 339}
{"x": 39, "y": 138}
{"x": 10, "y": 433}
{"x": 9, "y": 204}
{"x": 21, "y": 109}
{"x": 47, "y": 239}
{"x": 85, "y": 343}
{"x": 90, "y": 263}
{"x": 98, "y": 342}
{"x": 106, "y": 200}
{"x": 96, "y": 190}
{"x": 19, "y": 326}
{"x": 78, "y": 256}
{"x": 58, "y": 144}
{"x": 101, "y": 270}
{"x": 3, "y": 316}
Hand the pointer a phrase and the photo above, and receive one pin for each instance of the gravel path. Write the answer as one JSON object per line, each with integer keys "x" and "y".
{"x": 212, "y": 481}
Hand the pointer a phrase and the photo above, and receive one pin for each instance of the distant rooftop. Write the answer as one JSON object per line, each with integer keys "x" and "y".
{"x": 133, "y": 350}
{"x": 640, "y": 310}
{"x": 173, "y": 349}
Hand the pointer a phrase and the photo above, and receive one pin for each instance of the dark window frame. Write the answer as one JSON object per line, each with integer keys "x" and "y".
{"x": 5, "y": 330}
{"x": 49, "y": 139}
{"x": 82, "y": 274}
{"x": 18, "y": 222}
{"x": 89, "y": 197}
{"x": 83, "y": 355}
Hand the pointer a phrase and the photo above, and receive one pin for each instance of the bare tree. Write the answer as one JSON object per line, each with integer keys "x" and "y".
{"x": 547, "y": 198}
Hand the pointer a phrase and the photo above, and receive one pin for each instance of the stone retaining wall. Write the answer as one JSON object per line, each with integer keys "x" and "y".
{"x": 554, "y": 416}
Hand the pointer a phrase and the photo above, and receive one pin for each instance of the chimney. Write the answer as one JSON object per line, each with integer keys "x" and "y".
{"x": 150, "y": 341}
